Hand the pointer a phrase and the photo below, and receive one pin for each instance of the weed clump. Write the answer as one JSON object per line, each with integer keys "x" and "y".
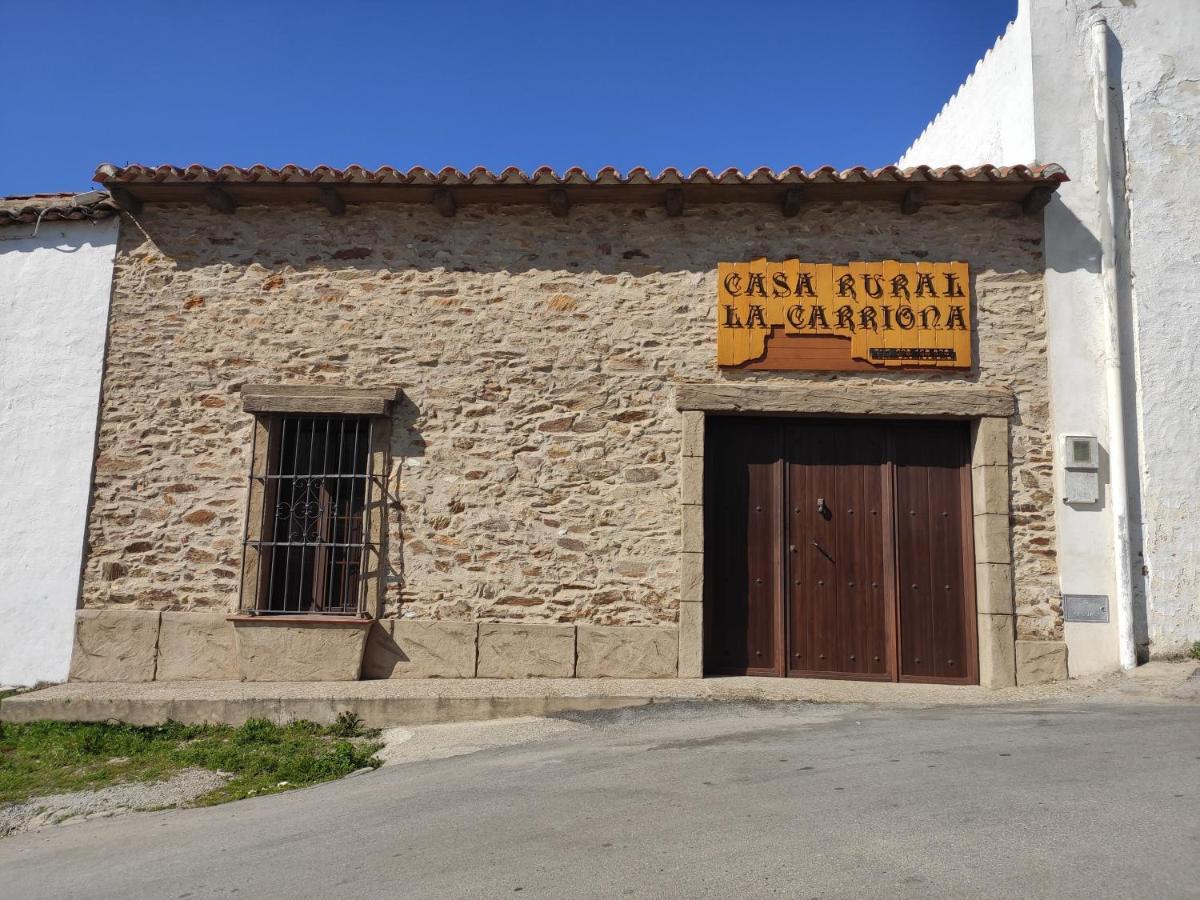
{"x": 39, "y": 758}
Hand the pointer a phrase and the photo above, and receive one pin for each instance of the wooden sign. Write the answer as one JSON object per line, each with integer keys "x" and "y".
{"x": 859, "y": 316}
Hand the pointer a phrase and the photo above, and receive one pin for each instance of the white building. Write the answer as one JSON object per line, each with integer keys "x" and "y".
{"x": 1111, "y": 91}
{"x": 56, "y": 257}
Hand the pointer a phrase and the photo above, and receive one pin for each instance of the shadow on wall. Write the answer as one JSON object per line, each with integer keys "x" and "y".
{"x": 608, "y": 239}
{"x": 407, "y": 445}
{"x": 1074, "y": 247}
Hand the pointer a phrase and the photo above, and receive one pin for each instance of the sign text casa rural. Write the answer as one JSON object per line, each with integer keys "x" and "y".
{"x": 887, "y": 314}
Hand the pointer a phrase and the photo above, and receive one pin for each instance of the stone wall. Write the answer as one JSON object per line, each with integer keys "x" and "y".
{"x": 535, "y": 471}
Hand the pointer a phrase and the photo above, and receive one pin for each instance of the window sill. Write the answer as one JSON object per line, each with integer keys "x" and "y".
{"x": 347, "y": 621}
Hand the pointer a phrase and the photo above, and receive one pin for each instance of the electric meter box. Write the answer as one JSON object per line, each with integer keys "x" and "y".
{"x": 1080, "y": 469}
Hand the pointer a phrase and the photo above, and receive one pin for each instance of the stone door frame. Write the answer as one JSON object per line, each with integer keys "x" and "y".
{"x": 987, "y": 408}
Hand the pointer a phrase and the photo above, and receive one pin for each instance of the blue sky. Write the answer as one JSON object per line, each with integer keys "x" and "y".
{"x": 475, "y": 83}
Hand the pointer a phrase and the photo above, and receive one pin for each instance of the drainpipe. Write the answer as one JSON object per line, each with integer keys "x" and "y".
{"x": 1108, "y": 143}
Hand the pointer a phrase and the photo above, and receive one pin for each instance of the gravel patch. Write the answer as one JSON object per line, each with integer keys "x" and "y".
{"x": 80, "y": 806}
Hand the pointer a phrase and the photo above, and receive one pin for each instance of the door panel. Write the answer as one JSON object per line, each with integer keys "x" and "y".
{"x": 744, "y": 477}
{"x": 838, "y": 548}
{"x": 935, "y": 625}
{"x": 836, "y": 586}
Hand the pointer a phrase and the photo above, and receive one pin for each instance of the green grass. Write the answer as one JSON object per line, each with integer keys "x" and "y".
{"x": 40, "y": 758}
{"x": 1194, "y": 650}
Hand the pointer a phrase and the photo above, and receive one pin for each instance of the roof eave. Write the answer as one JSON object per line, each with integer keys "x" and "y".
{"x": 229, "y": 186}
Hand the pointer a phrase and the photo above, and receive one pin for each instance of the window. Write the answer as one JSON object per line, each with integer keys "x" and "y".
{"x": 317, "y": 498}
{"x": 310, "y": 550}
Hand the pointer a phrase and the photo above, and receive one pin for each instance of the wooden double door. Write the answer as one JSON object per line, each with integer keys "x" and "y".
{"x": 839, "y": 549}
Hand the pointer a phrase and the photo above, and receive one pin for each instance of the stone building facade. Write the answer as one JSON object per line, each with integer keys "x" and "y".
{"x": 542, "y": 362}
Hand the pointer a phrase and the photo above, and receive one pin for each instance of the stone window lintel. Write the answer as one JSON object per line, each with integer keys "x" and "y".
{"x": 318, "y": 399}
{"x": 848, "y": 399}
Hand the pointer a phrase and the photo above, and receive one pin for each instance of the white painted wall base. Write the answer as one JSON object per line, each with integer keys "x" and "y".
{"x": 54, "y": 293}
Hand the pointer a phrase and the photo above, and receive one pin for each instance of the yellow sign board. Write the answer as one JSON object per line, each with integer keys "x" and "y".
{"x": 889, "y": 314}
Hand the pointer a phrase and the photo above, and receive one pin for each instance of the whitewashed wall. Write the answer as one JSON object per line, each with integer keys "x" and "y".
{"x": 1160, "y": 69}
{"x": 1156, "y": 60}
{"x": 1066, "y": 126}
{"x": 1156, "y": 52}
{"x": 54, "y": 293}
{"x": 990, "y": 118}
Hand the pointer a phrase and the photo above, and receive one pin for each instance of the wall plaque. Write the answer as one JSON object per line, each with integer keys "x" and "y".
{"x": 859, "y": 316}
{"x": 1085, "y": 607}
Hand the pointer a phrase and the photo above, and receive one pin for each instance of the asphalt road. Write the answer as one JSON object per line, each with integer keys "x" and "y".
{"x": 698, "y": 800}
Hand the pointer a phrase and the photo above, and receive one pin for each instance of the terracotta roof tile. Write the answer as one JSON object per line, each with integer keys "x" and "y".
{"x": 547, "y": 177}
{"x": 30, "y": 208}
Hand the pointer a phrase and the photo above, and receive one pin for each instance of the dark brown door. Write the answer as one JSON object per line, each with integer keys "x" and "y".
{"x": 934, "y": 565}
{"x": 836, "y": 529}
{"x": 745, "y": 485}
{"x": 839, "y": 549}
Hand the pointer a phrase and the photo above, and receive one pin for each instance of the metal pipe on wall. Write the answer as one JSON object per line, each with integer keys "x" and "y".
{"x": 1109, "y": 142}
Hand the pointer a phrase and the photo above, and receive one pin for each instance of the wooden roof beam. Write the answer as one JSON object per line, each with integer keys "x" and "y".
{"x": 912, "y": 201}
{"x": 125, "y": 200}
{"x": 220, "y": 200}
{"x": 443, "y": 202}
{"x": 793, "y": 199}
{"x": 560, "y": 203}
{"x": 331, "y": 199}
{"x": 1037, "y": 199}
{"x": 674, "y": 202}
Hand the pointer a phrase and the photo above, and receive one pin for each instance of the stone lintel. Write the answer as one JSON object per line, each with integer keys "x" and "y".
{"x": 837, "y": 398}
{"x": 626, "y": 651}
{"x": 318, "y": 398}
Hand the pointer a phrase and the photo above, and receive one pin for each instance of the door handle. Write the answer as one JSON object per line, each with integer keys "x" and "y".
{"x": 823, "y": 551}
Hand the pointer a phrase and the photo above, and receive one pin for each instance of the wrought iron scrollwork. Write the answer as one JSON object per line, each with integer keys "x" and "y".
{"x": 302, "y": 511}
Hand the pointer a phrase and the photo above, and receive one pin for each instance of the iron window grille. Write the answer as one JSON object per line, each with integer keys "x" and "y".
{"x": 308, "y": 547}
